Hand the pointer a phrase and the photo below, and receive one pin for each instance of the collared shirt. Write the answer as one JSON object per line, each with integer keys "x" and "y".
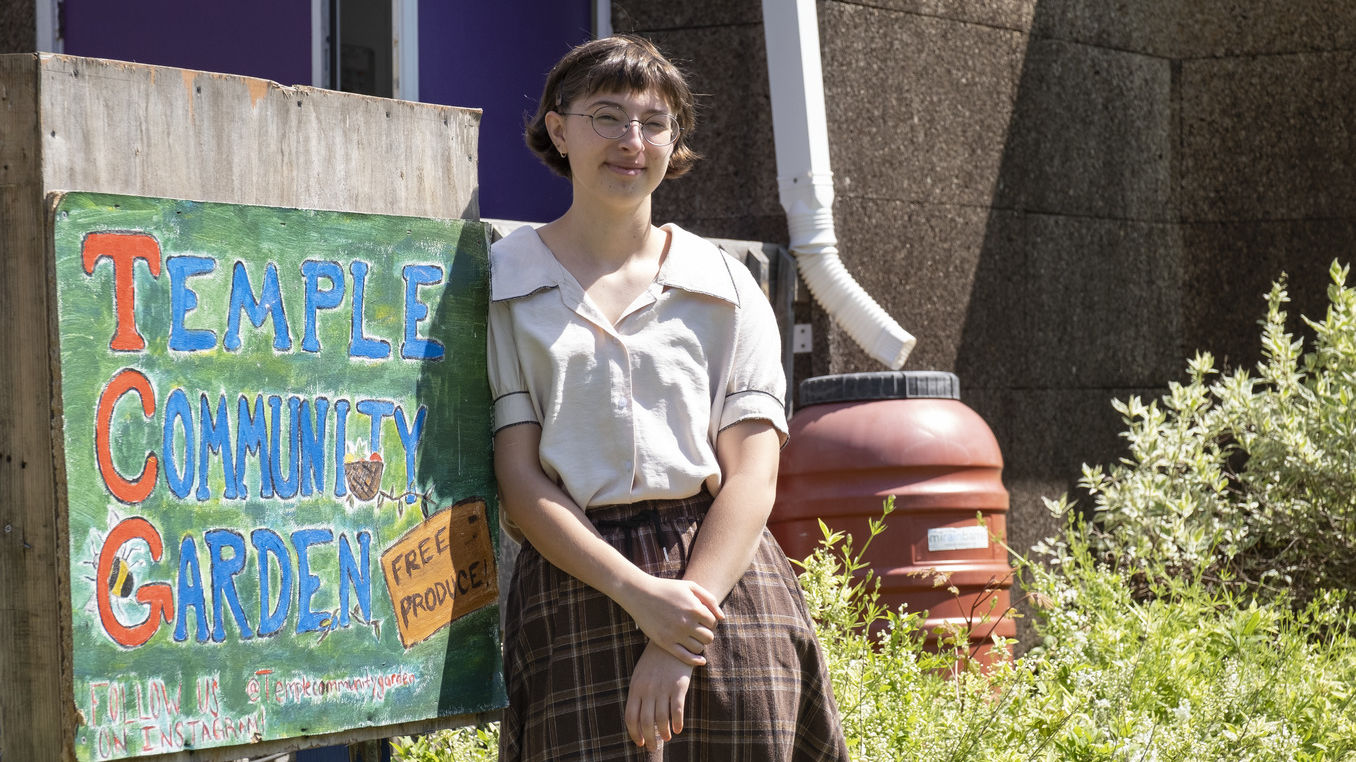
{"x": 631, "y": 411}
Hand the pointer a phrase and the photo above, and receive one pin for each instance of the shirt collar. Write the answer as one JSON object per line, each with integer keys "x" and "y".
{"x": 520, "y": 264}
{"x": 695, "y": 264}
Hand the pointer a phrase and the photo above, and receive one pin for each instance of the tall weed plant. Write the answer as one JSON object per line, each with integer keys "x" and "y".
{"x": 1199, "y": 613}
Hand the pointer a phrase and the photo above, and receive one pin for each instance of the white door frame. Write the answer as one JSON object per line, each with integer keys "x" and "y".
{"x": 405, "y": 49}
{"x": 320, "y": 43}
{"x": 602, "y": 18}
{"x": 48, "y": 15}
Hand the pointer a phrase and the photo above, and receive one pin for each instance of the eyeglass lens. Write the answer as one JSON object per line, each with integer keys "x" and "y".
{"x": 611, "y": 123}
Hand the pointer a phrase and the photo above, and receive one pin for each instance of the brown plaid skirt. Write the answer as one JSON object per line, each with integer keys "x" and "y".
{"x": 763, "y": 694}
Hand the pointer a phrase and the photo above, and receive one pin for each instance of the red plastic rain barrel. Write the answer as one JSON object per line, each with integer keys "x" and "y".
{"x": 860, "y": 437}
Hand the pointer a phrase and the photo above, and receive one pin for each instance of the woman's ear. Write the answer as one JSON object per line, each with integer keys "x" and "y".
{"x": 555, "y": 127}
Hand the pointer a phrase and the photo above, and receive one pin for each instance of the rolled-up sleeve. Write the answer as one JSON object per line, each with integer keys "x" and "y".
{"x": 512, "y": 402}
{"x": 757, "y": 383}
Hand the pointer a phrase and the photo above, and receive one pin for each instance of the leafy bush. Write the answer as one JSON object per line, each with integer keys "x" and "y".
{"x": 1190, "y": 673}
{"x": 1251, "y": 476}
{"x": 466, "y": 744}
{"x": 1201, "y": 616}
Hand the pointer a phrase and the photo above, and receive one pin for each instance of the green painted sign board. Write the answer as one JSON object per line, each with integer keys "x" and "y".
{"x": 279, "y": 492}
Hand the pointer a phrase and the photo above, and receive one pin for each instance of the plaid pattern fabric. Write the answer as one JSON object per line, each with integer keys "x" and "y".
{"x": 764, "y": 693}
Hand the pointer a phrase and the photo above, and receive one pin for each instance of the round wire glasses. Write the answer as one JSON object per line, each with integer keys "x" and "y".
{"x": 611, "y": 123}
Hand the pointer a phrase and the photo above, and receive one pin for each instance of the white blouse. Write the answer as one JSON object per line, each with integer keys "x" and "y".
{"x": 631, "y": 411}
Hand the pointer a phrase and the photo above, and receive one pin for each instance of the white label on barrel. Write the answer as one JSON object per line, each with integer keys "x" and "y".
{"x": 957, "y": 538}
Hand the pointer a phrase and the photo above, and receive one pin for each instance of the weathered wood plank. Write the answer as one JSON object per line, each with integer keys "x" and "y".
{"x": 31, "y": 666}
{"x": 118, "y": 127}
{"x": 266, "y": 748}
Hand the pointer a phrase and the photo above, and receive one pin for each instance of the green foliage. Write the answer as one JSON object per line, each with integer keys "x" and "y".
{"x": 1189, "y": 673}
{"x": 1192, "y": 673}
{"x": 466, "y": 744}
{"x": 1252, "y": 477}
{"x": 1201, "y": 615}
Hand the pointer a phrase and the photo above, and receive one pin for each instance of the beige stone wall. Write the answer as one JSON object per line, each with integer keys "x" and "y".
{"x": 1062, "y": 199}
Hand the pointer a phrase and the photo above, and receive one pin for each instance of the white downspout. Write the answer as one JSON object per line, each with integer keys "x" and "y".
{"x": 800, "y": 129}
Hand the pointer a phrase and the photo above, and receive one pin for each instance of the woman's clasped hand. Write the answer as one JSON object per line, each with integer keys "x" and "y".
{"x": 679, "y": 617}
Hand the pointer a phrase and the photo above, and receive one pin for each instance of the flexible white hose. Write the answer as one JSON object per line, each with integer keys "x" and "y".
{"x": 800, "y": 130}
{"x": 815, "y": 245}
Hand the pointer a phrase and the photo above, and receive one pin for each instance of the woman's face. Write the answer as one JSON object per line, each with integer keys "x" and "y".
{"x": 616, "y": 170}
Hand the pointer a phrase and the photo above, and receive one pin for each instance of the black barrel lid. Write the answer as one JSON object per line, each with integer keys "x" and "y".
{"x": 883, "y": 385}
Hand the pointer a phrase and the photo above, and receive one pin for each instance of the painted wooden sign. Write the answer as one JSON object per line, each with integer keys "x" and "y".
{"x": 279, "y": 494}
{"x": 441, "y": 570}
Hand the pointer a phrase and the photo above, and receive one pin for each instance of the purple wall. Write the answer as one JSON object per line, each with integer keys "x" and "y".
{"x": 488, "y": 55}
{"x": 495, "y": 56}
{"x": 257, "y": 38}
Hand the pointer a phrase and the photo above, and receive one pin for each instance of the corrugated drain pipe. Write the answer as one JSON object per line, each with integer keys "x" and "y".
{"x": 805, "y": 183}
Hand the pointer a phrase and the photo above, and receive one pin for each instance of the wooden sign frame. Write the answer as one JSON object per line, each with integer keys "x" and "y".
{"x": 258, "y": 404}
{"x": 78, "y": 123}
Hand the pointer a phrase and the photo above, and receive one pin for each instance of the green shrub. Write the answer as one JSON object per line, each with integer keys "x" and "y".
{"x": 1190, "y": 673}
{"x": 1201, "y": 616}
{"x": 466, "y": 744}
{"x": 1251, "y": 476}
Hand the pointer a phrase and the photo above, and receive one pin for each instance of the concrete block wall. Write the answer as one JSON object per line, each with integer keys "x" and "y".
{"x": 720, "y": 46}
{"x": 18, "y": 26}
{"x": 1075, "y": 296}
{"x": 1268, "y": 160}
{"x": 1063, "y": 199}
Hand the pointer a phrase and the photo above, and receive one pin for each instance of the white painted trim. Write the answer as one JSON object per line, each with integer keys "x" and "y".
{"x": 320, "y": 29}
{"x": 405, "y": 49}
{"x": 46, "y": 13}
{"x": 602, "y": 18}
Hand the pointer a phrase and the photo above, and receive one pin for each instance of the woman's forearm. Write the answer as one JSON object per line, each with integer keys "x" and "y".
{"x": 677, "y": 614}
{"x": 551, "y": 521}
{"x": 748, "y": 453}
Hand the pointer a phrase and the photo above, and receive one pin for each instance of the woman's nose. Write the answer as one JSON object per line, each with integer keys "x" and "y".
{"x": 632, "y": 137}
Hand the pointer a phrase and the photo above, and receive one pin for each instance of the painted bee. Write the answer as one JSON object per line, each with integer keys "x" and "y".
{"x": 120, "y": 580}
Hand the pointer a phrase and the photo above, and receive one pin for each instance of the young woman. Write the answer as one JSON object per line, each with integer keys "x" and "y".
{"x": 639, "y": 415}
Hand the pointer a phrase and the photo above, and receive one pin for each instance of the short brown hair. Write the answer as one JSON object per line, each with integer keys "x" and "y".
{"x": 623, "y": 64}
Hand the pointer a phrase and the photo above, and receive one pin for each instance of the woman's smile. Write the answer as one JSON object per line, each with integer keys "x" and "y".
{"x": 630, "y": 170}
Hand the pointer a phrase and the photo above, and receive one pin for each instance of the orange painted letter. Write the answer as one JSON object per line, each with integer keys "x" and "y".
{"x": 124, "y": 381}
{"x": 158, "y": 595}
{"x": 124, "y": 249}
